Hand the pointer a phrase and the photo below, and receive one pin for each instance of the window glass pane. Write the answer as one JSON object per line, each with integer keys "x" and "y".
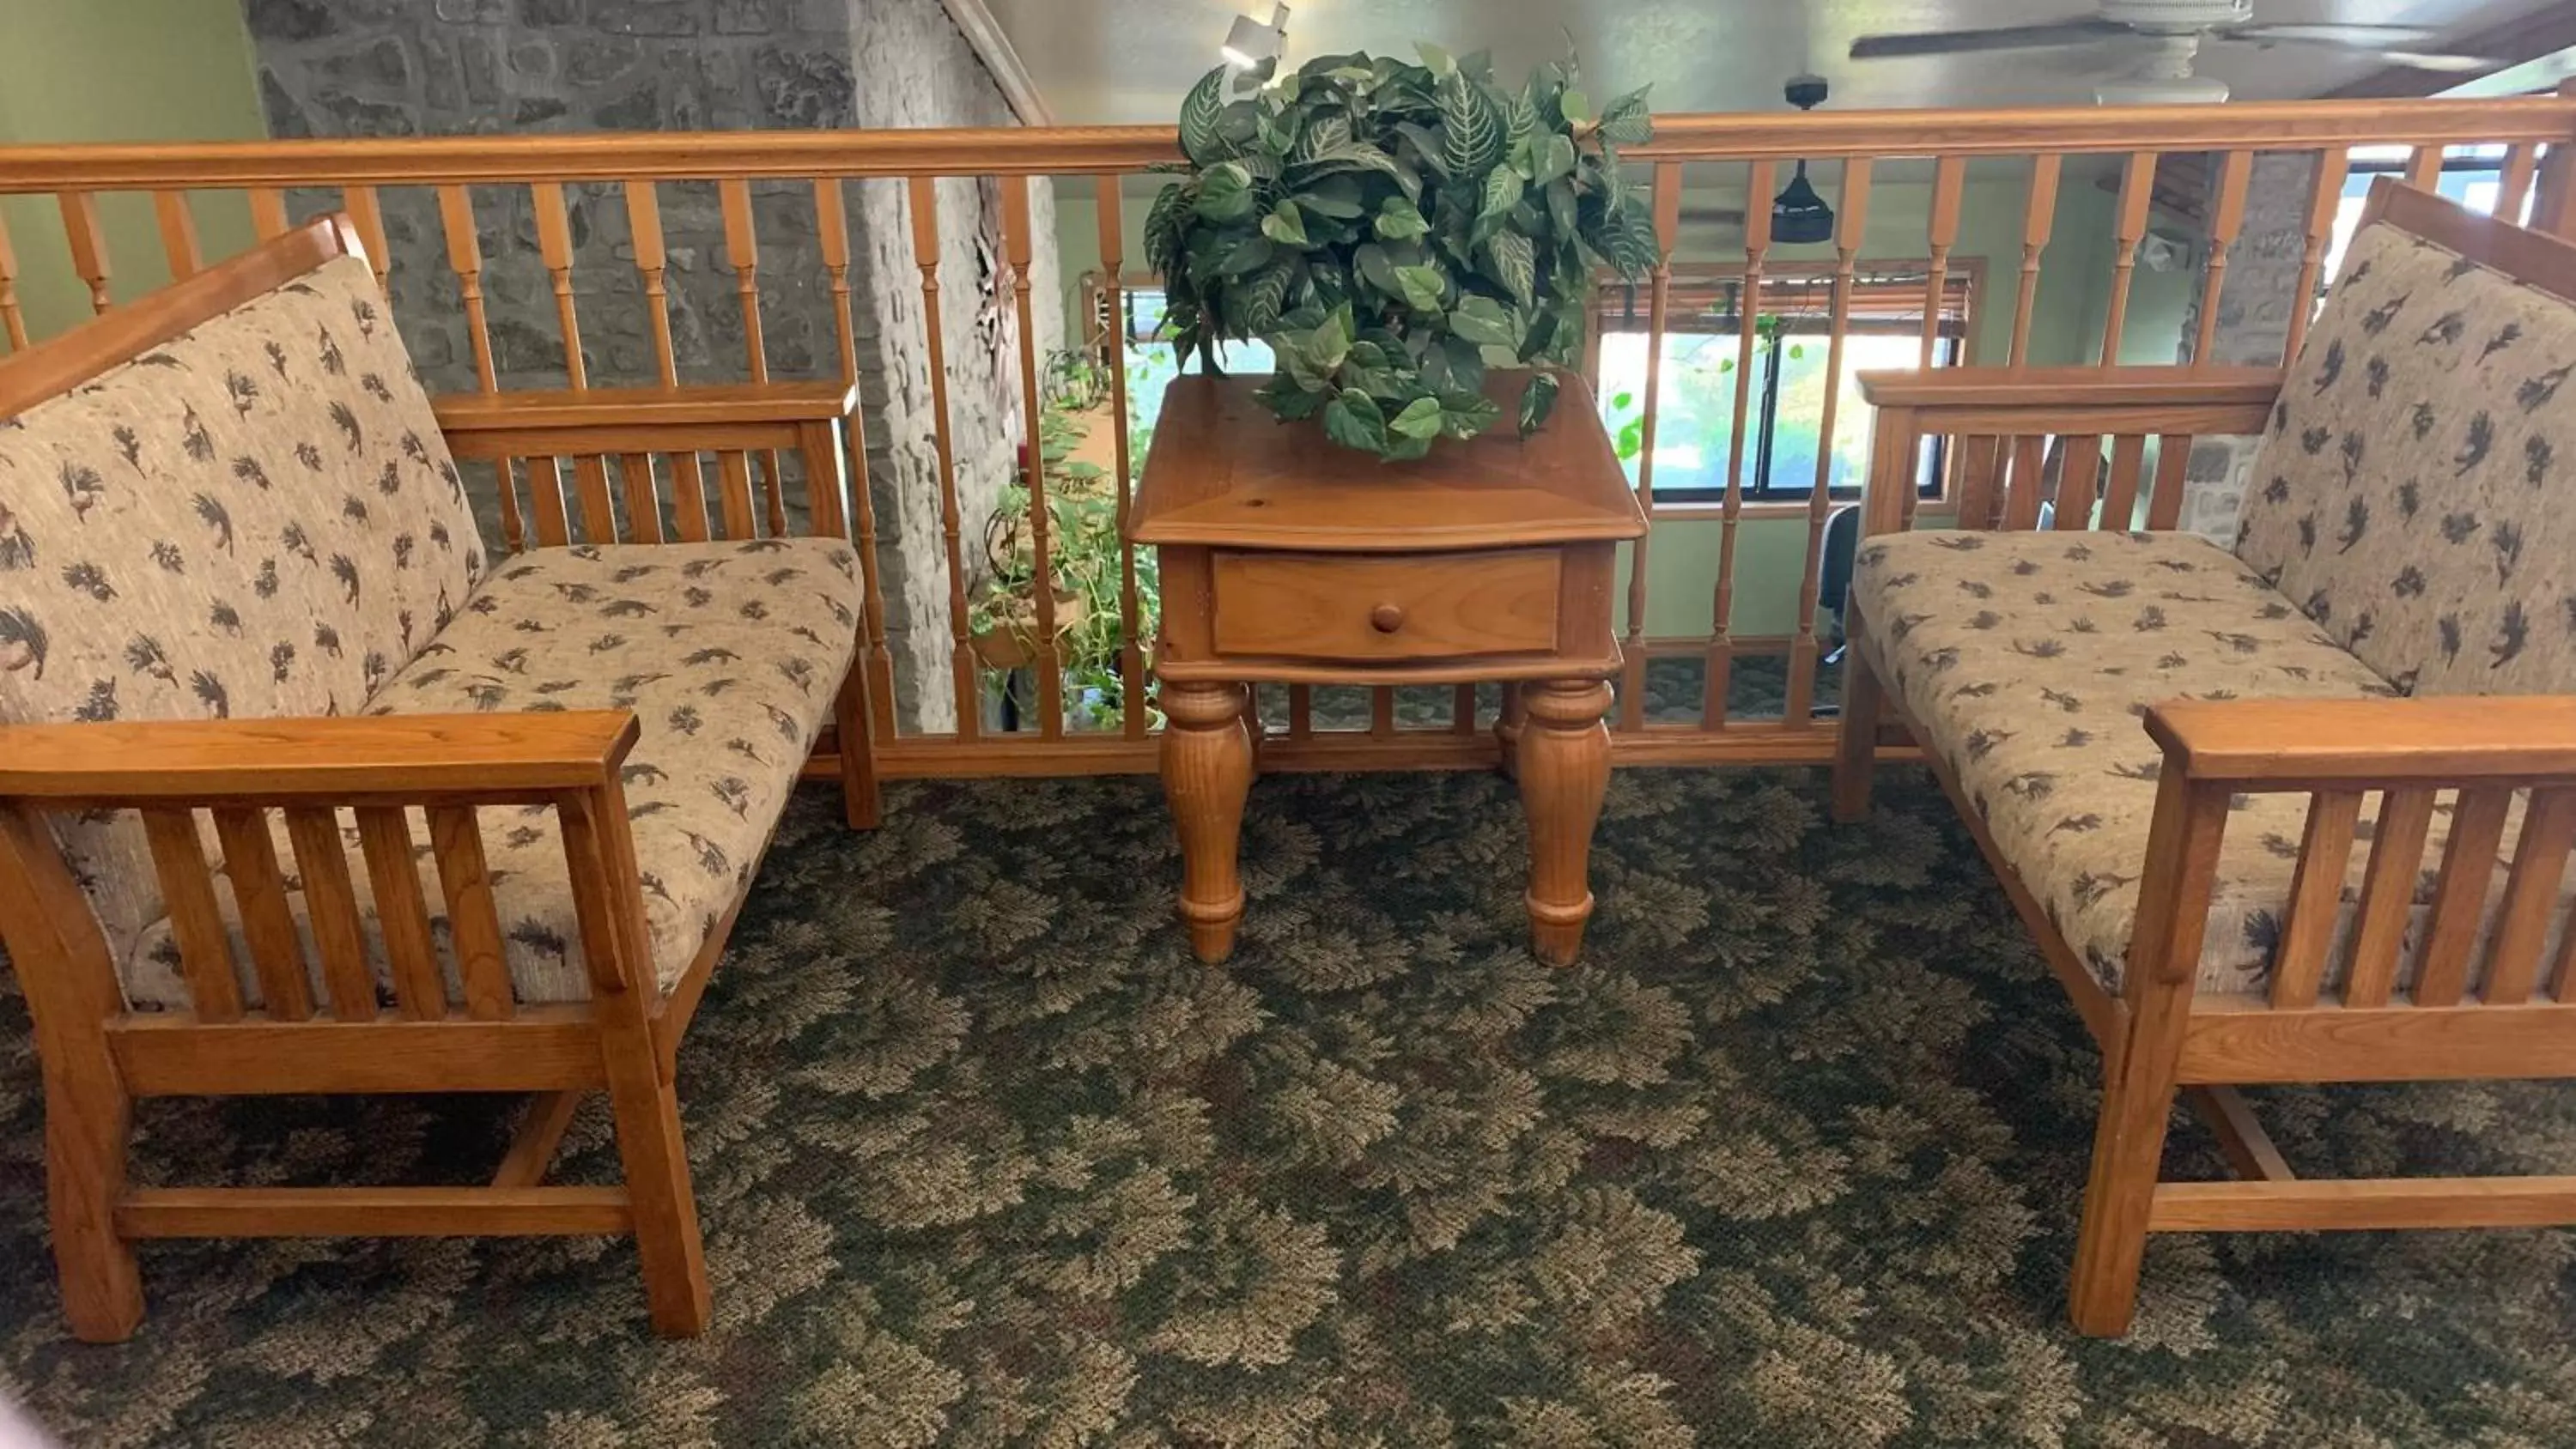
{"x": 1152, "y": 363}
{"x": 1802, "y": 405}
{"x": 1696, "y": 416}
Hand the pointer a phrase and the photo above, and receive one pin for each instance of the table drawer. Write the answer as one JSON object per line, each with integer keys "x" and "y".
{"x": 1386, "y": 606}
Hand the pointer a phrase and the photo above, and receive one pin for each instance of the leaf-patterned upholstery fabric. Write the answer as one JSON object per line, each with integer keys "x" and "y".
{"x": 729, "y": 654}
{"x": 258, "y": 518}
{"x": 2027, "y": 662}
{"x": 2415, "y": 484}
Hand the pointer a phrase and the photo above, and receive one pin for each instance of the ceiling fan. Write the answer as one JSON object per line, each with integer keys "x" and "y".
{"x": 2174, "y": 31}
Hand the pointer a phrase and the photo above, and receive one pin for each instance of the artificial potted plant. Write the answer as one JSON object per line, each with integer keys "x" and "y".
{"x": 1391, "y": 230}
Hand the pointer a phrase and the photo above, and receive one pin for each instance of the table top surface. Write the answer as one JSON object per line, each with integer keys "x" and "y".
{"x": 1224, "y": 472}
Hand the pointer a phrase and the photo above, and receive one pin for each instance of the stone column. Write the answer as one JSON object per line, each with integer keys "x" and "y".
{"x": 471, "y": 66}
{"x": 2254, "y": 311}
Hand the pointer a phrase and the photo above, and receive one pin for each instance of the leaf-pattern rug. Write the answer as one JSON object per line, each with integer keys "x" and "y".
{"x": 986, "y": 1159}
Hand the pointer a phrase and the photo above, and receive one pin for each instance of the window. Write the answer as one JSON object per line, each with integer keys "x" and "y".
{"x": 1784, "y": 389}
{"x": 2471, "y": 175}
{"x": 1152, "y": 360}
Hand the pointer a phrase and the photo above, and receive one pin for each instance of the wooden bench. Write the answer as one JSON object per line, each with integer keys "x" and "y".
{"x": 304, "y": 790}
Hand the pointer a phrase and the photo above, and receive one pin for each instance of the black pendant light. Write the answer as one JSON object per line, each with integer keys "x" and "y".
{"x": 1798, "y": 214}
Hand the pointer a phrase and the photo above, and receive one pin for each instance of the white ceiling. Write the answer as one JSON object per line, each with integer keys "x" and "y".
{"x": 1102, "y": 61}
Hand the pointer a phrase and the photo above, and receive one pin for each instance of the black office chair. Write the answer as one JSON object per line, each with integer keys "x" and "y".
{"x": 1833, "y": 582}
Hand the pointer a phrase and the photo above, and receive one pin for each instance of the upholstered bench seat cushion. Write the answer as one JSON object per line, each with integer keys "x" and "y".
{"x": 2027, "y": 662}
{"x": 728, "y": 653}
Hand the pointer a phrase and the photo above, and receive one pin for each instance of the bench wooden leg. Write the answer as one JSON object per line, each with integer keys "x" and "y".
{"x": 656, "y": 1164}
{"x": 2119, "y": 1194}
{"x": 862, "y": 802}
{"x": 62, "y": 965}
{"x": 1856, "y": 743}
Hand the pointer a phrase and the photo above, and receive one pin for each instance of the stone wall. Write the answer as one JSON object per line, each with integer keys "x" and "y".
{"x": 2255, "y": 306}
{"x": 394, "y": 68}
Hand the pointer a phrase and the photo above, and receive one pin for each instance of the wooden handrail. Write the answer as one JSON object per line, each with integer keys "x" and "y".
{"x": 1077, "y": 150}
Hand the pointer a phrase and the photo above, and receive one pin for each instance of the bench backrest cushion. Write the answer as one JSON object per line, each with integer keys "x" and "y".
{"x": 257, "y": 518}
{"x": 2416, "y": 491}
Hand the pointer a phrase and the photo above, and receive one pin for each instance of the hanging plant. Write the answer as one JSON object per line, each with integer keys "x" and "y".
{"x": 1391, "y": 230}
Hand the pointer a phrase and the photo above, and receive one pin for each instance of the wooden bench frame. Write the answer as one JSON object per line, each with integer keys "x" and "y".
{"x": 2160, "y": 1037}
{"x": 97, "y": 1057}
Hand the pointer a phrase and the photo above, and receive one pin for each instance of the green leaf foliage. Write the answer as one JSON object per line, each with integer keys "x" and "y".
{"x": 1390, "y": 229}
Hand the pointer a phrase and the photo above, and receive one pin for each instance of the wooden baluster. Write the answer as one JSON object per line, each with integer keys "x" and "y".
{"x": 2039, "y": 216}
{"x": 2137, "y": 190}
{"x": 1668, "y": 221}
{"x": 924, "y": 198}
{"x": 13, "y": 323}
{"x": 2164, "y": 503}
{"x": 2460, "y": 896}
{"x": 1019, "y": 249}
{"x": 1462, "y": 709}
{"x": 473, "y": 923}
{"x": 546, "y": 502}
{"x": 832, "y": 227}
{"x": 196, "y": 922}
{"x": 1852, "y": 224}
{"x": 2226, "y": 219}
{"x": 268, "y": 216}
{"x": 2120, "y": 503}
{"x": 1382, "y": 712}
{"x": 2388, "y": 894}
{"x": 465, "y": 258}
{"x": 2531, "y": 897}
{"x": 267, "y": 918}
{"x": 1718, "y": 673}
{"x": 2023, "y": 483}
{"x": 2332, "y": 165}
{"x": 1131, "y": 627}
{"x": 644, "y": 223}
{"x": 2079, "y": 468}
{"x": 322, "y": 862}
{"x": 689, "y": 497}
{"x": 402, "y": 912}
{"x": 2424, "y": 167}
{"x": 742, "y": 246}
{"x": 178, "y": 227}
{"x": 2513, "y": 194}
{"x": 88, "y": 244}
{"x": 369, "y": 216}
{"x": 643, "y": 498}
{"x": 1941, "y": 230}
{"x": 2316, "y": 898}
{"x": 1301, "y": 712}
{"x": 554, "y": 249}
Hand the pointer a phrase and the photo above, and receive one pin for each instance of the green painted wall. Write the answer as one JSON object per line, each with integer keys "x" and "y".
{"x": 119, "y": 70}
{"x": 2066, "y": 326}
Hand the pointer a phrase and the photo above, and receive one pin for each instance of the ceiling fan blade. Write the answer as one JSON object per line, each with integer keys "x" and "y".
{"x": 2378, "y": 37}
{"x": 2412, "y": 59}
{"x": 2080, "y": 31}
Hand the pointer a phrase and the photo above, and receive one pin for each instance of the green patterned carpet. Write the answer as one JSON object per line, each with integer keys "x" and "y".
{"x": 985, "y": 1159}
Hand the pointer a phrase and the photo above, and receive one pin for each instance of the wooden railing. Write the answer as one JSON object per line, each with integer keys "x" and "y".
{"x": 1954, "y": 194}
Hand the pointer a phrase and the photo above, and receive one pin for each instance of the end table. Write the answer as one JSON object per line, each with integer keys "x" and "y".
{"x": 1288, "y": 559}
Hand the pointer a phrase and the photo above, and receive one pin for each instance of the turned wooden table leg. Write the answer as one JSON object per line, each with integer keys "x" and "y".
{"x": 1207, "y": 771}
{"x": 1564, "y": 770}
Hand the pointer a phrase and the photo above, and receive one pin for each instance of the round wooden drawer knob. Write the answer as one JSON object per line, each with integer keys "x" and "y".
{"x": 1386, "y": 618}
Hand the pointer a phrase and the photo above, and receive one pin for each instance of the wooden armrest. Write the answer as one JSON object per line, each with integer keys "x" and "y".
{"x": 315, "y": 759}
{"x": 2290, "y": 744}
{"x": 2071, "y": 387}
{"x": 730, "y": 404}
